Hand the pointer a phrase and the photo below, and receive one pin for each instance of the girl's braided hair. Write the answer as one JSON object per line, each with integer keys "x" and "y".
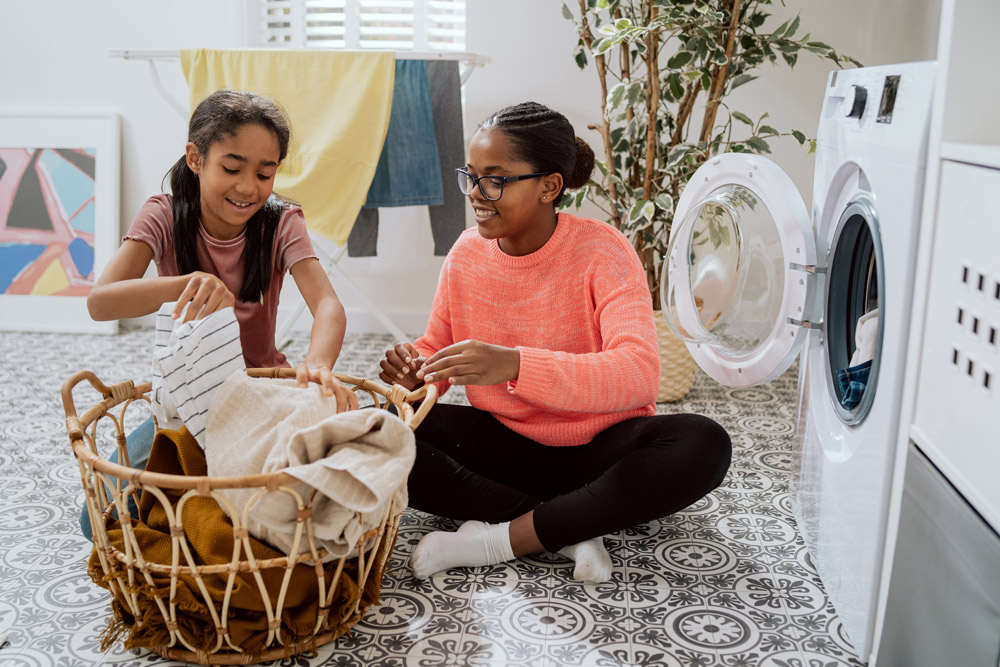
{"x": 545, "y": 139}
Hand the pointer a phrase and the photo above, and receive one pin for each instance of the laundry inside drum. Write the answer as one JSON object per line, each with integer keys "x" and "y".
{"x": 737, "y": 273}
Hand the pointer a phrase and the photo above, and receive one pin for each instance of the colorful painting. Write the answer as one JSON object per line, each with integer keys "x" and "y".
{"x": 47, "y": 221}
{"x": 58, "y": 217}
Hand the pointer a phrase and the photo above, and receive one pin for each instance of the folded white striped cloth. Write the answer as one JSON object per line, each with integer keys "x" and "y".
{"x": 190, "y": 362}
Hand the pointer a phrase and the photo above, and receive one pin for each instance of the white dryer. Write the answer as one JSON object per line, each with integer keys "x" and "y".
{"x": 751, "y": 280}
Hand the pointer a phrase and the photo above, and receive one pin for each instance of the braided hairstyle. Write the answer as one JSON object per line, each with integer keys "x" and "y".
{"x": 223, "y": 113}
{"x": 545, "y": 139}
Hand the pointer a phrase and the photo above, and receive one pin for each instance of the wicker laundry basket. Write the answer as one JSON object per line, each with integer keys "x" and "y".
{"x": 182, "y": 608}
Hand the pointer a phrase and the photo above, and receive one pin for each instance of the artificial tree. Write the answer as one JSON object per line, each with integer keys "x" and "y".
{"x": 666, "y": 69}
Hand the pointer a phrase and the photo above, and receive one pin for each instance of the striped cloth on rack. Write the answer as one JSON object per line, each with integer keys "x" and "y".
{"x": 191, "y": 360}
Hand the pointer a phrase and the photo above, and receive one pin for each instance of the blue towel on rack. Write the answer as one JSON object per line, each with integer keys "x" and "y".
{"x": 408, "y": 167}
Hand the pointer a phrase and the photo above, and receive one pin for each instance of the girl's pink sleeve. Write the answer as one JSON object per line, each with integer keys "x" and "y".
{"x": 153, "y": 225}
{"x": 293, "y": 244}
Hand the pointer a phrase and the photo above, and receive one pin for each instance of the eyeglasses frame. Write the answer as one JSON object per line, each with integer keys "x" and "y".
{"x": 503, "y": 181}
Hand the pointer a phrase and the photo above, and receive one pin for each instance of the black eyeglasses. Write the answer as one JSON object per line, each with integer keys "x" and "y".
{"x": 491, "y": 187}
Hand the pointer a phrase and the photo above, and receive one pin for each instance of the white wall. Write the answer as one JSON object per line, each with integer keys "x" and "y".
{"x": 55, "y": 57}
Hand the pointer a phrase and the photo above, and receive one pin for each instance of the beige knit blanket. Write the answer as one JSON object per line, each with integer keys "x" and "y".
{"x": 357, "y": 461}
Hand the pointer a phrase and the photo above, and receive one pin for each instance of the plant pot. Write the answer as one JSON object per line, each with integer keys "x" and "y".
{"x": 677, "y": 367}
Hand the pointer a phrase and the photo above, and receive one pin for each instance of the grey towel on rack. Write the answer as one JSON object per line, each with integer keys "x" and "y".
{"x": 448, "y": 218}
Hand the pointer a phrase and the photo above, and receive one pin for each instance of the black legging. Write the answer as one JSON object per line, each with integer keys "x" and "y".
{"x": 470, "y": 466}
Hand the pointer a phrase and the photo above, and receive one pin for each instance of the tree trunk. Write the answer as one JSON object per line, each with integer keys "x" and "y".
{"x": 719, "y": 78}
{"x": 652, "y": 102}
{"x": 602, "y": 72}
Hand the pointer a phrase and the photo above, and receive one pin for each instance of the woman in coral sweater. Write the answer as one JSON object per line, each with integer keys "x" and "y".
{"x": 546, "y": 319}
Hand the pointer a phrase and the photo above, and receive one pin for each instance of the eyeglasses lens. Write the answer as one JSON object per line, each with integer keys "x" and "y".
{"x": 490, "y": 187}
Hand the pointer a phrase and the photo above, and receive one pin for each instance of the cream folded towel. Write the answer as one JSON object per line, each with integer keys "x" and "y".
{"x": 357, "y": 461}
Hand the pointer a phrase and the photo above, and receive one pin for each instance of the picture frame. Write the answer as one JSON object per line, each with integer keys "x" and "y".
{"x": 59, "y": 217}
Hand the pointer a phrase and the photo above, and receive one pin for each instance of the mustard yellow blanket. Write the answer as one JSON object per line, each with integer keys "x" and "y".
{"x": 209, "y": 534}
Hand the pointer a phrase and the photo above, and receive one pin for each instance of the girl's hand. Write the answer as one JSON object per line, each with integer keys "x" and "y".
{"x": 346, "y": 399}
{"x": 399, "y": 366}
{"x": 472, "y": 362}
{"x": 206, "y": 294}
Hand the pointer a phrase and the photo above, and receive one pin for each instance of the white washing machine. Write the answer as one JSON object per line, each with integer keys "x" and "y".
{"x": 751, "y": 280}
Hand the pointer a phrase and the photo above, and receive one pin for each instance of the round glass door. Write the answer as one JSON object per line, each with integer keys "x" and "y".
{"x": 853, "y": 327}
{"x": 734, "y": 271}
{"x": 730, "y": 286}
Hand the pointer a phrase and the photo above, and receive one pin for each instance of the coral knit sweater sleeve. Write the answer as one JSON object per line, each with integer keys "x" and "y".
{"x": 579, "y": 312}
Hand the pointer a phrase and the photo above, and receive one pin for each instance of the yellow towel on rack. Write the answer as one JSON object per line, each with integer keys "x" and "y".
{"x": 338, "y": 103}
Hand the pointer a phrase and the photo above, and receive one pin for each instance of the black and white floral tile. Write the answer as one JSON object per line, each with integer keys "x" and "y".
{"x": 727, "y": 582}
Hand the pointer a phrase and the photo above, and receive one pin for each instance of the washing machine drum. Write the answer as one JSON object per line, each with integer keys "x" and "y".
{"x": 735, "y": 280}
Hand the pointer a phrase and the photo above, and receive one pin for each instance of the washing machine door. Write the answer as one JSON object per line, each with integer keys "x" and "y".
{"x": 738, "y": 278}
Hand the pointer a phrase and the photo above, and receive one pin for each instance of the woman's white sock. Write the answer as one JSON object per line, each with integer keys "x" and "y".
{"x": 593, "y": 563}
{"x": 474, "y": 544}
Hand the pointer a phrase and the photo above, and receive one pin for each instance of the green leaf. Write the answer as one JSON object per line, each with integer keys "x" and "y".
{"x": 792, "y": 28}
{"x": 664, "y": 201}
{"x": 567, "y": 14}
{"x": 603, "y": 4}
{"x": 638, "y": 210}
{"x": 680, "y": 59}
{"x": 634, "y": 92}
{"x": 615, "y": 96}
{"x": 801, "y": 138}
{"x": 742, "y": 117}
{"x": 767, "y": 130}
{"x": 812, "y": 146}
{"x": 581, "y": 58}
{"x": 759, "y": 145}
{"x": 740, "y": 80}
{"x": 648, "y": 210}
{"x": 676, "y": 87}
{"x": 706, "y": 80}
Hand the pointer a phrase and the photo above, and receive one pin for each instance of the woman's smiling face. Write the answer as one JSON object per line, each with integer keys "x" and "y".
{"x": 523, "y": 219}
{"x": 235, "y": 178}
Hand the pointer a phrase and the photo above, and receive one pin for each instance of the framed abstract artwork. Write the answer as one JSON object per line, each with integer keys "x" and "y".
{"x": 59, "y": 194}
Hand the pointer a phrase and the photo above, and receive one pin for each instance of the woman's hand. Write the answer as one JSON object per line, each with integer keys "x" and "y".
{"x": 206, "y": 294}
{"x": 400, "y": 365}
{"x": 472, "y": 362}
{"x": 346, "y": 399}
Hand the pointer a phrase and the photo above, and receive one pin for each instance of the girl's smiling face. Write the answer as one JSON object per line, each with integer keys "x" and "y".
{"x": 523, "y": 219}
{"x": 235, "y": 178}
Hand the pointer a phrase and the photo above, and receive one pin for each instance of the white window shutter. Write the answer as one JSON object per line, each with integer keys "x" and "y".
{"x": 399, "y": 25}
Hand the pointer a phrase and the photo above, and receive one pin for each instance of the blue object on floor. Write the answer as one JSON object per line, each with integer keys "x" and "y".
{"x": 138, "y": 443}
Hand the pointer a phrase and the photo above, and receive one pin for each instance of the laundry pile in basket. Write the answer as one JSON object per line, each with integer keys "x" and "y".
{"x": 356, "y": 461}
{"x": 349, "y": 471}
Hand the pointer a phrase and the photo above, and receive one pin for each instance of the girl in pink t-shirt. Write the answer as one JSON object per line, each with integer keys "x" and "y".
{"x": 225, "y": 240}
{"x": 546, "y": 319}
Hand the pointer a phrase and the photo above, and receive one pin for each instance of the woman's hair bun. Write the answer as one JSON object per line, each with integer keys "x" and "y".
{"x": 583, "y": 166}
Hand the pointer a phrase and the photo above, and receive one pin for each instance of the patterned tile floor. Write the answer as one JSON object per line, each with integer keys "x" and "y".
{"x": 726, "y": 582}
